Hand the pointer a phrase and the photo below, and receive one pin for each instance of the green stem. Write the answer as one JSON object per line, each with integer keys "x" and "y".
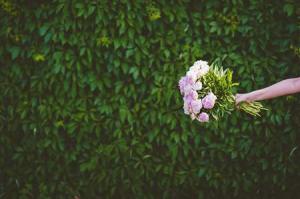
{"x": 252, "y": 108}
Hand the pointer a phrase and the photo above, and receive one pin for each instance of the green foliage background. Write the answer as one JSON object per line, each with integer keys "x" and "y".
{"x": 89, "y": 104}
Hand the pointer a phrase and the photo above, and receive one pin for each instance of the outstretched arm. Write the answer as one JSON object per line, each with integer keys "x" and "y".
{"x": 284, "y": 87}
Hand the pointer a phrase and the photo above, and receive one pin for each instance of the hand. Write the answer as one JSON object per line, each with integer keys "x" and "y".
{"x": 241, "y": 98}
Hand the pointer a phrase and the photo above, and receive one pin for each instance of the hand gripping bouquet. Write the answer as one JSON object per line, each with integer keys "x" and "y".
{"x": 208, "y": 93}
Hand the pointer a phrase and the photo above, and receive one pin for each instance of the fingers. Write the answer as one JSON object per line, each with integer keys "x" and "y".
{"x": 242, "y": 98}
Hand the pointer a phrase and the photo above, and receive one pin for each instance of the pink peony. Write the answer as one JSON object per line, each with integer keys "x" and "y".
{"x": 203, "y": 117}
{"x": 187, "y": 107}
{"x": 209, "y": 100}
{"x": 182, "y": 84}
{"x": 190, "y": 96}
{"x": 192, "y": 75}
{"x": 196, "y": 106}
{"x": 186, "y": 84}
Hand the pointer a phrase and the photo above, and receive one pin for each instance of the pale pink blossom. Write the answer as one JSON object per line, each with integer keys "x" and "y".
{"x": 186, "y": 108}
{"x": 203, "y": 117}
{"x": 192, "y": 75}
{"x": 196, "y": 106}
{"x": 209, "y": 101}
{"x": 186, "y": 84}
{"x": 190, "y": 96}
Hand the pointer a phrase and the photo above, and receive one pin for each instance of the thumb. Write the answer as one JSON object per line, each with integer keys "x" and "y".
{"x": 237, "y": 98}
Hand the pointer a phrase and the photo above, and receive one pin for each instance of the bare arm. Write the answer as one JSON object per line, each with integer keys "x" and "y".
{"x": 284, "y": 87}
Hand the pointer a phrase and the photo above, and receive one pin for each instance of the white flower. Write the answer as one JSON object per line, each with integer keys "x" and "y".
{"x": 212, "y": 95}
{"x": 192, "y": 74}
{"x": 202, "y": 67}
{"x": 197, "y": 86}
{"x": 200, "y": 63}
{"x": 203, "y": 70}
{"x": 186, "y": 108}
{"x": 195, "y": 68}
{"x": 193, "y": 116}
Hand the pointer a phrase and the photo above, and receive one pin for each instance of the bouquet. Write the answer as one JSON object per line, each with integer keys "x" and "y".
{"x": 208, "y": 93}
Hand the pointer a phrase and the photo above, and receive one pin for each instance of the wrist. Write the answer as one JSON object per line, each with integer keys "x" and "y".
{"x": 249, "y": 97}
{"x": 255, "y": 95}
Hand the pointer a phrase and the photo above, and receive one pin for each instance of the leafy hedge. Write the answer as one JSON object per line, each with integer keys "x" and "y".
{"x": 89, "y": 104}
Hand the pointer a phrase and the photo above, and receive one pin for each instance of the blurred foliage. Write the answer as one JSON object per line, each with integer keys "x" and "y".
{"x": 89, "y": 104}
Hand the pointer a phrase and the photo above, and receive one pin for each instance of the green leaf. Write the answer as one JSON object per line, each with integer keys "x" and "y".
{"x": 201, "y": 172}
{"x": 123, "y": 114}
{"x": 43, "y": 30}
{"x": 289, "y": 9}
{"x": 15, "y": 51}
